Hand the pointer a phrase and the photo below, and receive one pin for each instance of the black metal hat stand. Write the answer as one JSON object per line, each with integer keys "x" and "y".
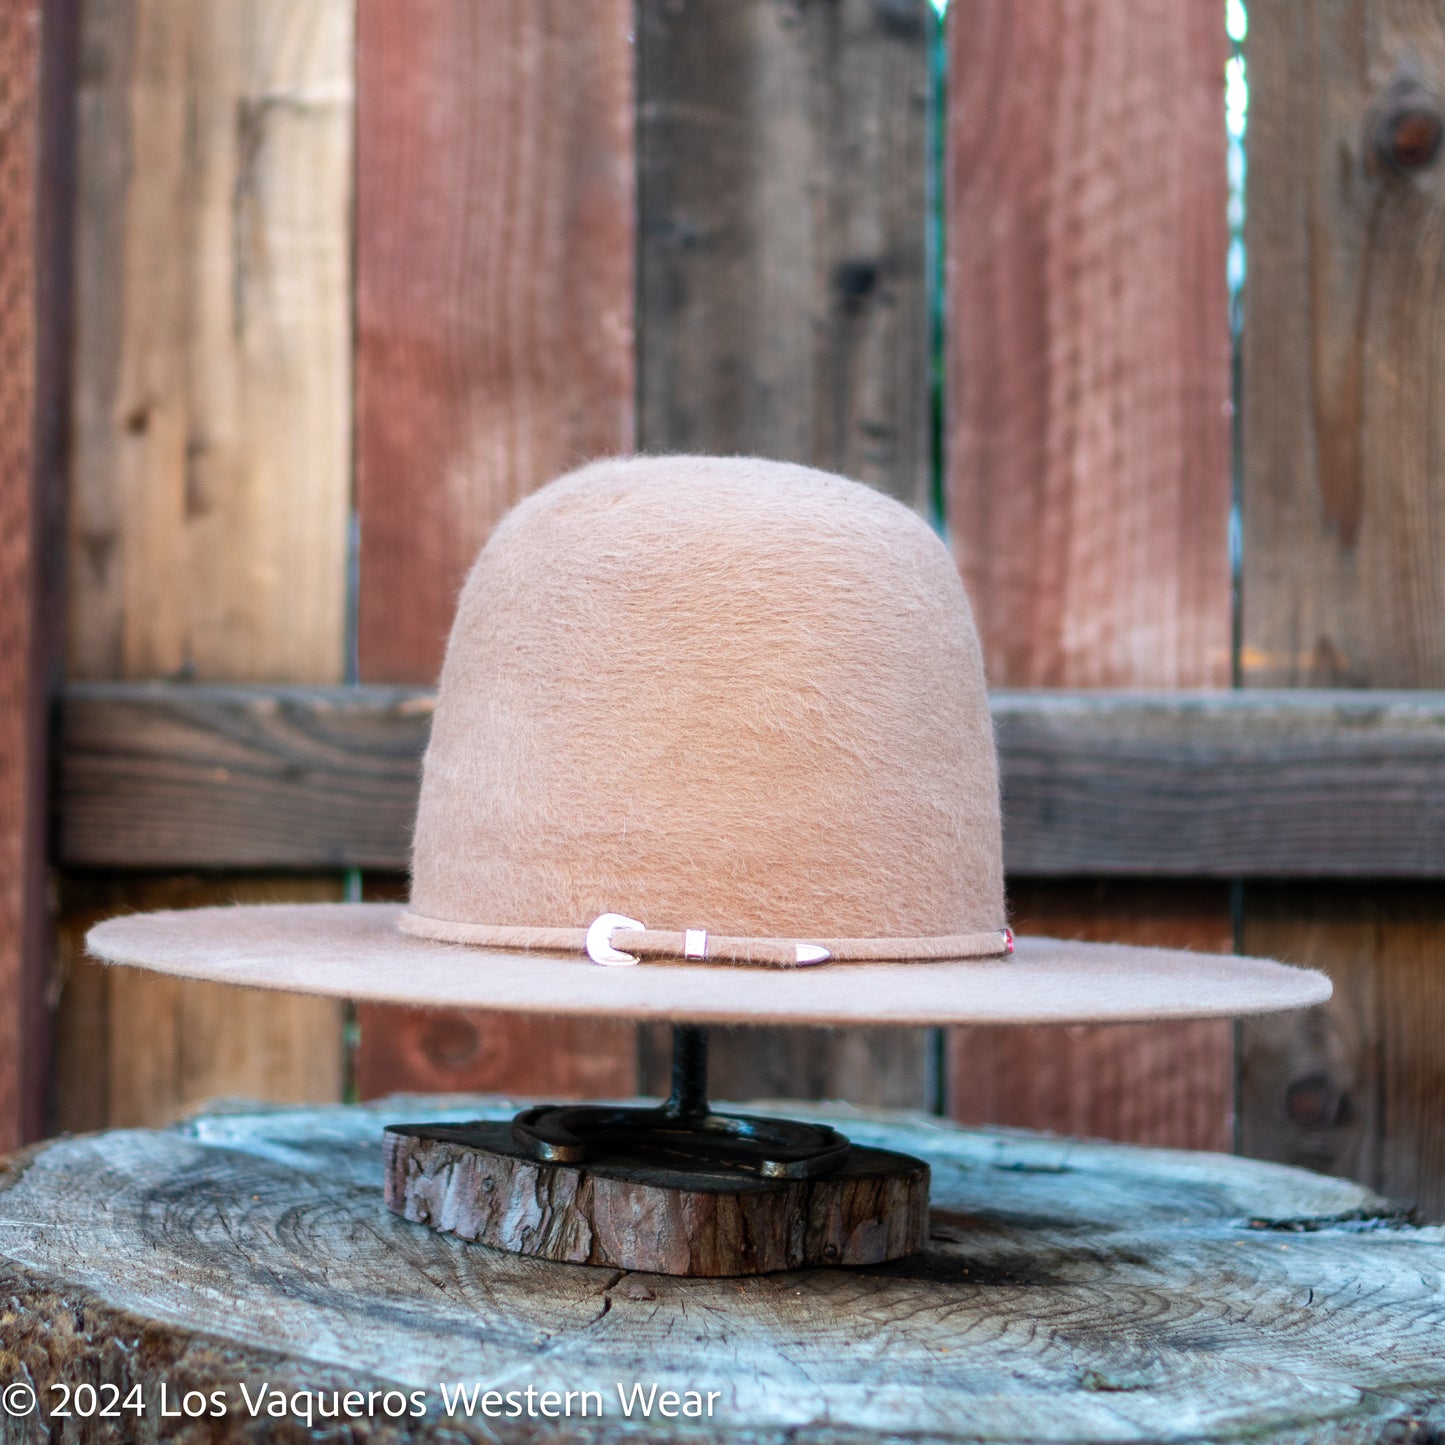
{"x": 673, "y": 1188}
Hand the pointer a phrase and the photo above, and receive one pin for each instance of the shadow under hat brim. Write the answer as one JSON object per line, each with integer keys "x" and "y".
{"x": 355, "y": 950}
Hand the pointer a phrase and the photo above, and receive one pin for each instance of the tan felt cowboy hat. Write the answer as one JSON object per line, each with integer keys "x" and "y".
{"x": 723, "y": 719}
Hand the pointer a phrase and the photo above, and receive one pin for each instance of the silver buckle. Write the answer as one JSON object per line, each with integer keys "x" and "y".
{"x": 599, "y": 939}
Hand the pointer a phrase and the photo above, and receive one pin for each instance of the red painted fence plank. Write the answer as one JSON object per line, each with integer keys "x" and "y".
{"x": 1088, "y": 445}
{"x": 495, "y": 182}
{"x": 22, "y": 679}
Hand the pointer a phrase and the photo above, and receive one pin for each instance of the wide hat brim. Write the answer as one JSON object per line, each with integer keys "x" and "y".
{"x": 355, "y": 950}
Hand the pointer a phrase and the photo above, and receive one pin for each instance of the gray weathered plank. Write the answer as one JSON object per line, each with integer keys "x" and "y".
{"x": 782, "y": 177}
{"x": 1268, "y": 784}
{"x": 782, "y": 305}
{"x": 1069, "y": 1291}
{"x": 226, "y": 777}
{"x": 1223, "y": 784}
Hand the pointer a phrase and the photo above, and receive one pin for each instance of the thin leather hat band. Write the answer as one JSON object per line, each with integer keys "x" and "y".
{"x": 615, "y": 940}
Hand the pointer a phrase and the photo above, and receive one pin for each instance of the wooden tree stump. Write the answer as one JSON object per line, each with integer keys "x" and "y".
{"x": 1068, "y": 1291}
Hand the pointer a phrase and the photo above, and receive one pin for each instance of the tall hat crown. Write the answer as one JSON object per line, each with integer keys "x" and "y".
{"x": 723, "y": 694}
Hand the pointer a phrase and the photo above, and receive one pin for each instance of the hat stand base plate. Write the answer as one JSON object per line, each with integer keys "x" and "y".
{"x": 475, "y": 1181}
{"x": 672, "y": 1189}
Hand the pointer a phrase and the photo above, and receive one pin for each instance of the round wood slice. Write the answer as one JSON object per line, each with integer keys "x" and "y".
{"x": 1067, "y": 1292}
{"x": 473, "y": 1181}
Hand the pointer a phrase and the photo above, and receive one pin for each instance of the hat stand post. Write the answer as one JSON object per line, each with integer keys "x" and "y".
{"x": 673, "y": 1188}
{"x": 683, "y": 1129}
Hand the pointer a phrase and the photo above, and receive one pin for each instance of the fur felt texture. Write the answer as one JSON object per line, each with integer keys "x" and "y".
{"x": 718, "y": 693}
{"x": 355, "y": 950}
{"x": 724, "y": 694}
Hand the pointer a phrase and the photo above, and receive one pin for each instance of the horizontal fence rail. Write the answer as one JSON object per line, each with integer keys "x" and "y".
{"x": 1219, "y": 784}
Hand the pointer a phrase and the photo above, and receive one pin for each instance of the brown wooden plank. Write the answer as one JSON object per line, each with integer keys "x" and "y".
{"x": 1310, "y": 1084}
{"x": 1344, "y": 555}
{"x": 782, "y": 298}
{"x": 451, "y": 1050}
{"x": 139, "y": 1048}
{"x": 494, "y": 351}
{"x": 1412, "y": 1067}
{"x": 1344, "y": 406}
{"x": 1227, "y": 784}
{"x": 1087, "y": 442}
{"x": 1151, "y": 1083}
{"x": 22, "y": 677}
{"x": 210, "y": 429}
{"x": 212, "y": 398}
{"x": 1353, "y": 1087}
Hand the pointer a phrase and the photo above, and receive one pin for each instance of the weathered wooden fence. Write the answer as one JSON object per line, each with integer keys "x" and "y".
{"x": 325, "y": 285}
